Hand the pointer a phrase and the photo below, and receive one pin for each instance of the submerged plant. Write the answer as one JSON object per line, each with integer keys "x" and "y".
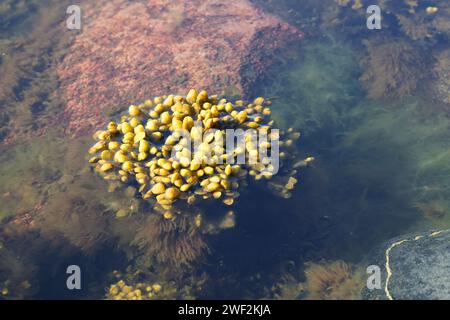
{"x": 317, "y": 88}
{"x": 137, "y": 285}
{"x": 393, "y": 68}
{"x": 189, "y": 158}
{"x": 288, "y": 288}
{"x": 31, "y": 42}
{"x": 441, "y": 71}
{"x": 17, "y": 275}
{"x": 177, "y": 242}
{"x": 435, "y": 209}
{"x": 176, "y": 149}
{"x": 141, "y": 291}
{"x": 336, "y": 280}
{"x": 418, "y": 20}
{"x": 14, "y": 13}
{"x": 77, "y": 219}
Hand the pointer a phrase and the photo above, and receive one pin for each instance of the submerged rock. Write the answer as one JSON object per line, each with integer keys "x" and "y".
{"x": 414, "y": 267}
{"x": 129, "y": 50}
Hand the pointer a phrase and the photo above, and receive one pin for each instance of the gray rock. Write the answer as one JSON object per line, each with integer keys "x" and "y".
{"x": 419, "y": 268}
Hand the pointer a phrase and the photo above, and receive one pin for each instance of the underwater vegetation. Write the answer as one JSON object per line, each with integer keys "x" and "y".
{"x": 76, "y": 219}
{"x": 58, "y": 200}
{"x": 177, "y": 242}
{"x": 151, "y": 149}
{"x": 393, "y": 68}
{"x": 318, "y": 86}
{"x": 435, "y": 209}
{"x": 422, "y": 139}
{"x": 354, "y": 136}
{"x": 441, "y": 72}
{"x": 421, "y": 21}
{"x": 15, "y": 14}
{"x": 28, "y": 95}
{"x": 17, "y": 275}
{"x": 335, "y": 280}
{"x": 55, "y": 197}
{"x": 394, "y": 63}
{"x": 288, "y": 288}
{"x": 135, "y": 284}
{"x": 31, "y": 182}
{"x": 382, "y": 165}
{"x": 141, "y": 291}
{"x": 302, "y": 14}
{"x": 21, "y": 250}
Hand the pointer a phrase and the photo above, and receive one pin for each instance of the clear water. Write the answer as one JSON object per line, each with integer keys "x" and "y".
{"x": 381, "y": 168}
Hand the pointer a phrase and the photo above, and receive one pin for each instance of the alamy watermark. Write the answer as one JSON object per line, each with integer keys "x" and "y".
{"x": 73, "y": 281}
{"x": 73, "y": 22}
{"x": 374, "y": 279}
{"x": 373, "y": 21}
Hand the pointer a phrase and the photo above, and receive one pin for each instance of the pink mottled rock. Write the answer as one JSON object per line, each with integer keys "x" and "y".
{"x": 130, "y": 51}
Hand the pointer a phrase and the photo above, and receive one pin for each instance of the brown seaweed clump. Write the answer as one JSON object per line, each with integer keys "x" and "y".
{"x": 178, "y": 148}
{"x": 442, "y": 22}
{"x": 135, "y": 284}
{"x": 177, "y": 242}
{"x": 435, "y": 209}
{"x": 140, "y": 291}
{"x": 393, "y": 68}
{"x": 188, "y": 159}
{"x": 418, "y": 19}
{"x": 442, "y": 77}
{"x": 415, "y": 27}
{"x": 336, "y": 280}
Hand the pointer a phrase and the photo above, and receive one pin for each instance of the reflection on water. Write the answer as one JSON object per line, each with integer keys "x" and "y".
{"x": 372, "y": 109}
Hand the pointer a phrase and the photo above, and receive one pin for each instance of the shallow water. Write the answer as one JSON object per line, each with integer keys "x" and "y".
{"x": 381, "y": 168}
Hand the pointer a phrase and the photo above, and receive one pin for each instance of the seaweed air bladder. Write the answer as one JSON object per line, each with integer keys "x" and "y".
{"x": 190, "y": 158}
{"x": 151, "y": 147}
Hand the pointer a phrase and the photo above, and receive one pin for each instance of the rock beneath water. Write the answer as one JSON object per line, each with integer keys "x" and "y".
{"x": 414, "y": 267}
{"x": 128, "y": 51}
